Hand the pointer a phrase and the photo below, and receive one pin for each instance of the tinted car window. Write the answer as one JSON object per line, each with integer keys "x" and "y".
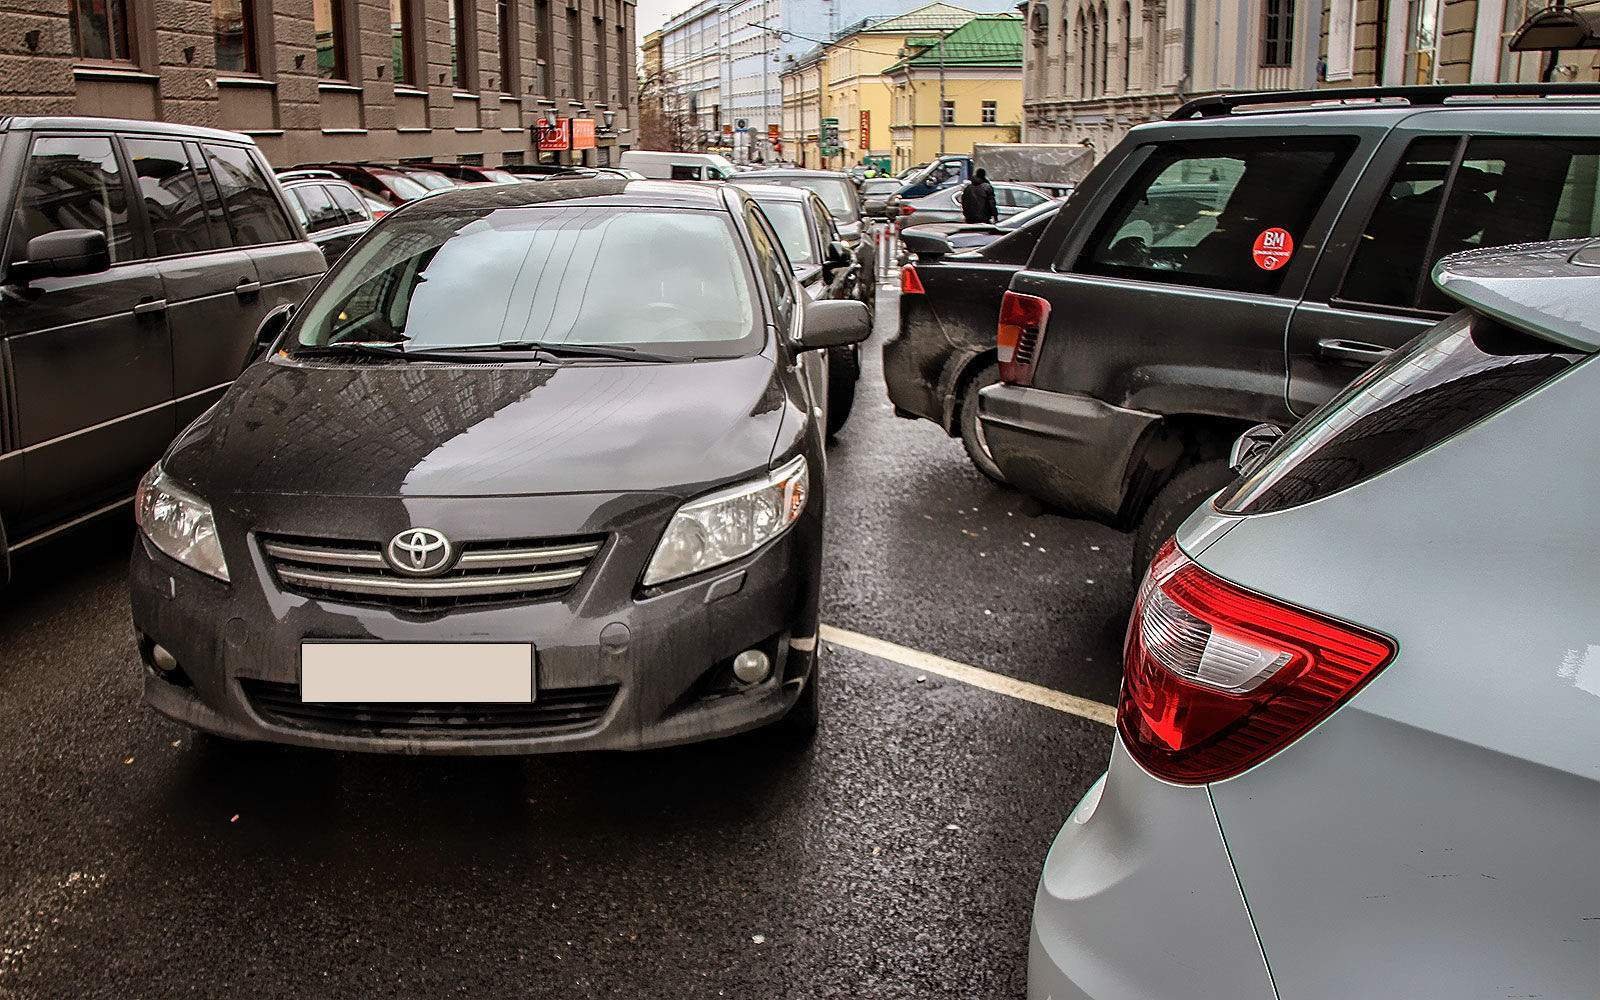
{"x": 1202, "y": 213}
{"x": 788, "y": 220}
{"x": 1505, "y": 191}
{"x": 1464, "y": 370}
{"x": 431, "y": 179}
{"x": 254, "y": 214}
{"x": 355, "y": 210}
{"x": 173, "y": 204}
{"x": 73, "y": 183}
{"x": 683, "y": 173}
{"x": 666, "y": 281}
{"x": 1023, "y": 198}
{"x": 321, "y": 212}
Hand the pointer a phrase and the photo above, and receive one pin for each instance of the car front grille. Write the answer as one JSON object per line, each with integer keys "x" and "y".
{"x": 553, "y": 711}
{"x": 484, "y": 573}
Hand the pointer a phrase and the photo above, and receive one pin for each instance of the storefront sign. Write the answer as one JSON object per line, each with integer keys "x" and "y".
{"x": 552, "y": 138}
{"x": 583, "y": 133}
{"x": 865, "y": 134}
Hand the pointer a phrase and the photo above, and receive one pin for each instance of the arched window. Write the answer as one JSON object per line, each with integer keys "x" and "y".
{"x": 1091, "y": 55}
{"x": 1083, "y": 53}
{"x": 1039, "y": 23}
{"x": 1127, "y": 47}
{"x": 1104, "y": 60}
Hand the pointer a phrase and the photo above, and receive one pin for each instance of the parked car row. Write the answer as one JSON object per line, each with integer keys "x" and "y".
{"x": 1370, "y": 326}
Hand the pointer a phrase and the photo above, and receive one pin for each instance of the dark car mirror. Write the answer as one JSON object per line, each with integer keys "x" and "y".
{"x": 926, "y": 246}
{"x": 65, "y": 253}
{"x": 1252, "y": 446}
{"x": 272, "y": 327}
{"x": 834, "y": 323}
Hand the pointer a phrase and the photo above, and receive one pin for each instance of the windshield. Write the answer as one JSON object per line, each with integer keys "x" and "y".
{"x": 403, "y": 186}
{"x": 430, "y": 180}
{"x": 875, "y": 187}
{"x": 788, "y": 219}
{"x": 501, "y": 177}
{"x": 670, "y": 282}
{"x": 1028, "y": 215}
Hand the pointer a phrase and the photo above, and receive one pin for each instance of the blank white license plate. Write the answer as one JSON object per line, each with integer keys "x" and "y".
{"x": 416, "y": 672}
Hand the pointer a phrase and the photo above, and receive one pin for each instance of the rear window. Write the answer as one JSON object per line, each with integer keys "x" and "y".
{"x": 672, "y": 282}
{"x": 1224, "y": 214}
{"x": 835, "y": 192}
{"x": 1461, "y": 372}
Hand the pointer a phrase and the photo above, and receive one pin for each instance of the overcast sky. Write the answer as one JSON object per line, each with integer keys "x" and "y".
{"x": 652, "y": 14}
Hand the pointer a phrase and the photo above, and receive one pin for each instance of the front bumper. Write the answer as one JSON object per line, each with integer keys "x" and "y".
{"x": 1138, "y": 900}
{"x": 651, "y": 667}
{"x": 1073, "y": 452}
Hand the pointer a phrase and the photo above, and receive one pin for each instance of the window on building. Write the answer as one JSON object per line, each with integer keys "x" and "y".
{"x": 401, "y": 34}
{"x": 948, "y": 113}
{"x": 1127, "y": 48}
{"x": 545, "y": 25}
{"x": 601, "y": 90}
{"x": 327, "y": 21}
{"x": 991, "y": 113}
{"x": 254, "y": 214}
{"x": 173, "y": 203}
{"x": 233, "y": 26}
{"x": 100, "y": 29}
{"x": 1102, "y": 60}
{"x": 575, "y": 53}
{"x": 622, "y": 69}
{"x": 462, "y": 44}
{"x": 1277, "y": 33}
{"x": 505, "y": 14}
{"x": 1519, "y": 67}
{"x": 1195, "y": 210}
{"x": 73, "y": 183}
{"x": 1422, "y": 42}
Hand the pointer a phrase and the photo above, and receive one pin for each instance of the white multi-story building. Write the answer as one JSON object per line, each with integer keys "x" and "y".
{"x": 691, "y": 66}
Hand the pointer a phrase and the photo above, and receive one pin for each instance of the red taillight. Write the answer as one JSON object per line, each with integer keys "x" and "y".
{"x": 910, "y": 281}
{"x": 907, "y": 209}
{"x": 1021, "y": 333}
{"x": 1217, "y": 679}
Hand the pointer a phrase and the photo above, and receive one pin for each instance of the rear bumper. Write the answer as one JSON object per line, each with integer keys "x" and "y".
{"x": 1138, "y": 900}
{"x": 1073, "y": 452}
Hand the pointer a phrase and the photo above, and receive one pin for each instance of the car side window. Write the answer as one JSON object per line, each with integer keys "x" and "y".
{"x": 321, "y": 212}
{"x": 1005, "y": 197}
{"x": 1023, "y": 198}
{"x": 253, "y": 211}
{"x": 221, "y": 234}
{"x": 684, "y": 173}
{"x": 825, "y": 224}
{"x": 773, "y": 270}
{"x": 355, "y": 210}
{"x": 1390, "y": 259}
{"x": 173, "y": 204}
{"x": 1222, "y": 214}
{"x": 73, "y": 183}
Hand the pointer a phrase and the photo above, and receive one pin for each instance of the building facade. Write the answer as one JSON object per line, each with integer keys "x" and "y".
{"x": 958, "y": 91}
{"x": 1096, "y": 68}
{"x": 691, "y": 71}
{"x": 1391, "y": 42}
{"x": 802, "y": 87}
{"x": 319, "y": 80}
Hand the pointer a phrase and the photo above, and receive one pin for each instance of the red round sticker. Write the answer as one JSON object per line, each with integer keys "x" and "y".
{"x": 1273, "y": 249}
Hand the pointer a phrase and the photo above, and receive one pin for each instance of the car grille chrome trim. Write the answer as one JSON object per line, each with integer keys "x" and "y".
{"x": 553, "y": 711}
{"x": 484, "y": 573}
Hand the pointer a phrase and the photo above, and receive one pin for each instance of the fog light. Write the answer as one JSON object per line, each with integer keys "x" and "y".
{"x": 163, "y": 660}
{"x": 752, "y": 666}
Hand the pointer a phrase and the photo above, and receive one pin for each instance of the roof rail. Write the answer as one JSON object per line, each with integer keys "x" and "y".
{"x": 1217, "y": 105}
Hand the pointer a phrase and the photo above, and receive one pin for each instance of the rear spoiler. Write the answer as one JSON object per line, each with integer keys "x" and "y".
{"x": 1550, "y": 290}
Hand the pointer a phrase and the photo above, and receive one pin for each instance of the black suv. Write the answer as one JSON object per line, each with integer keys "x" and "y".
{"x": 1242, "y": 261}
{"x": 140, "y": 258}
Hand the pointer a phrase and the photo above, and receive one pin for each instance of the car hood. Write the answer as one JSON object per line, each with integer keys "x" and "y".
{"x": 420, "y": 429}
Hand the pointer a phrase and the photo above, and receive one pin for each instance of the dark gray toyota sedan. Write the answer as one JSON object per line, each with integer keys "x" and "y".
{"x": 536, "y": 467}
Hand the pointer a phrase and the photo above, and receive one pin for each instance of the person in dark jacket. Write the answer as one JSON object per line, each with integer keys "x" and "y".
{"x": 977, "y": 201}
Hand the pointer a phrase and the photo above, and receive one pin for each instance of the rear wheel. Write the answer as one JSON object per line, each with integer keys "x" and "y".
{"x": 1179, "y": 498}
{"x": 972, "y": 430}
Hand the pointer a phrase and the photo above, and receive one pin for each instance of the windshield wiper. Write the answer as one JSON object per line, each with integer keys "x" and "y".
{"x": 572, "y": 350}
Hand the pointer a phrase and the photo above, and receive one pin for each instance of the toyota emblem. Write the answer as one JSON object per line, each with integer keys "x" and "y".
{"x": 420, "y": 552}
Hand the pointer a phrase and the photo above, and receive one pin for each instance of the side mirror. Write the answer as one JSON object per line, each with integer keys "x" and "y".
{"x": 65, "y": 253}
{"x": 926, "y": 246}
{"x": 1252, "y": 446}
{"x": 839, "y": 254}
{"x": 834, "y": 323}
{"x": 272, "y": 327}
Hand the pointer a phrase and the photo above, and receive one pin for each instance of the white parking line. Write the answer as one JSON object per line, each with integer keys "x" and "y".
{"x": 1038, "y": 694}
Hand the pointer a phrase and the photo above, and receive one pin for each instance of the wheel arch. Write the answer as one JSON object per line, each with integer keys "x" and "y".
{"x": 1174, "y": 443}
{"x": 958, "y": 375}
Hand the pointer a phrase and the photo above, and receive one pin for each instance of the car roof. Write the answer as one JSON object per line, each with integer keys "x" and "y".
{"x": 756, "y": 175}
{"x": 608, "y": 191}
{"x": 1551, "y": 290}
{"x": 776, "y": 192}
{"x": 80, "y": 123}
{"x": 1383, "y": 101}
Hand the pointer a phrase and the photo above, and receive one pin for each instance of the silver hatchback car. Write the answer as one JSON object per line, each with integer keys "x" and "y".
{"x": 1358, "y": 749}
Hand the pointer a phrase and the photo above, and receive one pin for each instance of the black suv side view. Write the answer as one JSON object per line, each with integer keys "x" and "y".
{"x": 139, "y": 260}
{"x": 1241, "y": 262}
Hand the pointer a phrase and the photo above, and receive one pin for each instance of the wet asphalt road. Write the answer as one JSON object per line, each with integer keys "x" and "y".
{"x": 896, "y": 858}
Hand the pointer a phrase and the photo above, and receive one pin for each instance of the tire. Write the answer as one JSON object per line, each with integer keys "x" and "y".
{"x": 972, "y": 431}
{"x": 1179, "y": 498}
{"x": 842, "y": 380}
{"x": 798, "y": 727}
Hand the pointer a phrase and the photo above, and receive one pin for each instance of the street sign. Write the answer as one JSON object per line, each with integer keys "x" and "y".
{"x": 830, "y": 137}
{"x": 553, "y": 138}
{"x": 864, "y": 134}
{"x": 583, "y": 133}
{"x": 741, "y": 123}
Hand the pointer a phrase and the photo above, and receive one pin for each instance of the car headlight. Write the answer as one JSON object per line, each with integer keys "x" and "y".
{"x": 179, "y": 523}
{"x": 730, "y": 523}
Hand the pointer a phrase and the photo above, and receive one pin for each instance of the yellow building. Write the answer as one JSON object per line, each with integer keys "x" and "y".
{"x": 954, "y": 92}
{"x": 846, "y": 79}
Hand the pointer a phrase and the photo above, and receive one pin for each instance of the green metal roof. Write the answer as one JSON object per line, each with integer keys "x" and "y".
{"x": 986, "y": 40}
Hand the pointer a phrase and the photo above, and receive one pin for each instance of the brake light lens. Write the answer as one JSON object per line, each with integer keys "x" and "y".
{"x": 906, "y": 209}
{"x": 910, "y": 281}
{"x": 1216, "y": 679}
{"x": 1021, "y": 334}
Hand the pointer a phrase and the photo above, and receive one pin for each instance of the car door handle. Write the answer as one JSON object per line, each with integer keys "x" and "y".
{"x": 246, "y": 288}
{"x": 1352, "y": 351}
{"x": 150, "y": 307}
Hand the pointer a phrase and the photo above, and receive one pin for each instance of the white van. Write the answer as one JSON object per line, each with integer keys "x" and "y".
{"x": 678, "y": 166}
